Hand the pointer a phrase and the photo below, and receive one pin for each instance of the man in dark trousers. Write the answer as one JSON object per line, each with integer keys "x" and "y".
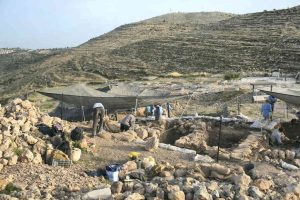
{"x": 127, "y": 122}
{"x": 98, "y": 115}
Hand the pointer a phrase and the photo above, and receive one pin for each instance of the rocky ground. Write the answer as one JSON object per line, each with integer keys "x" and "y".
{"x": 161, "y": 172}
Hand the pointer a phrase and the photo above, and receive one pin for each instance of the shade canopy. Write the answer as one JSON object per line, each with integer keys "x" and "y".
{"x": 291, "y": 96}
{"x": 82, "y": 95}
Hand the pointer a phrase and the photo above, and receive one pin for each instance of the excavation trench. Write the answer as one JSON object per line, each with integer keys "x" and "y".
{"x": 197, "y": 131}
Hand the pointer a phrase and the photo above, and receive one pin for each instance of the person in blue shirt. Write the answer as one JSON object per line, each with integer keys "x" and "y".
{"x": 266, "y": 110}
{"x": 272, "y": 101}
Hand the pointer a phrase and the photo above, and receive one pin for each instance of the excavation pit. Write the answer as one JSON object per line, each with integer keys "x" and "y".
{"x": 231, "y": 136}
{"x": 192, "y": 133}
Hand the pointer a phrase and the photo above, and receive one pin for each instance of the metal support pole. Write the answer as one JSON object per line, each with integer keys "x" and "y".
{"x": 83, "y": 116}
{"x": 61, "y": 106}
{"x": 287, "y": 111}
{"x": 271, "y": 88}
{"x": 135, "y": 108}
{"x": 168, "y": 109}
{"x": 253, "y": 93}
{"x": 238, "y": 106}
{"x": 219, "y": 140}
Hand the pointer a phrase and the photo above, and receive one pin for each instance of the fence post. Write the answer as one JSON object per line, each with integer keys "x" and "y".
{"x": 238, "y": 105}
{"x": 219, "y": 138}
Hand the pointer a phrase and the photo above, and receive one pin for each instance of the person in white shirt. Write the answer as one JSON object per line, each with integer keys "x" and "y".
{"x": 98, "y": 115}
{"x": 277, "y": 136}
{"x": 127, "y": 122}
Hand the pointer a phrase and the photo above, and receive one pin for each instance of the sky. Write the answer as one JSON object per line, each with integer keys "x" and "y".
{"x": 37, "y": 24}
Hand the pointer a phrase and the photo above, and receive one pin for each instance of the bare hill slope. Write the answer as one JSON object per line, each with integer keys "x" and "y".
{"x": 181, "y": 42}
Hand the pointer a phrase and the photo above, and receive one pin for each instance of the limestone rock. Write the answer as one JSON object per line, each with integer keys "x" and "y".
{"x": 76, "y": 154}
{"x": 294, "y": 188}
{"x": 290, "y": 196}
{"x": 135, "y": 196}
{"x": 241, "y": 180}
{"x": 142, "y": 133}
{"x": 29, "y": 139}
{"x": 83, "y": 143}
{"x": 27, "y": 155}
{"x": 152, "y": 144}
{"x": 26, "y": 127}
{"x": 104, "y": 193}
{"x": 180, "y": 172}
{"x": 5, "y": 144}
{"x": 40, "y": 147}
{"x": 281, "y": 154}
{"x": 116, "y": 187}
{"x": 297, "y": 162}
{"x": 105, "y": 135}
{"x": 13, "y": 160}
{"x": 46, "y": 119}
{"x": 176, "y": 195}
{"x": 202, "y": 193}
{"x": 37, "y": 159}
{"x": 255, "y": 192}
{"x": 263, "y": 184}
{"x": 4, "y": 180}
{"x": 212, "y": 186}
{"x": 130, "y": 166}
{"x": 275, "y": 154}
{"x": 3, "y": 161}
{"x": 290, "y": 155}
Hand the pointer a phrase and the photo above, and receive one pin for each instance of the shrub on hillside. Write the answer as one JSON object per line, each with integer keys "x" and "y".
{"x": 231, "y": 75}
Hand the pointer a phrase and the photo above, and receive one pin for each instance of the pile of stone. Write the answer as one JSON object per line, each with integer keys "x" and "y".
{"x": 19, "y": 137}
{"x": 194, "y": 134}
{"x": 276, "y": 156}
{"x": 205, "y": 181}
{"x": 149, "y": 135}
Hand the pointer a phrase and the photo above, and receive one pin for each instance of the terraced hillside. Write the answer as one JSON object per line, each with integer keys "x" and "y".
{"x": 193, "y": 42}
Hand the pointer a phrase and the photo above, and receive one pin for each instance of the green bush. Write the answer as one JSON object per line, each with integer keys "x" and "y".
{"x": 18, "y": 151}
{"x": 9, "y": 188}
{"x": 231, "y": 75}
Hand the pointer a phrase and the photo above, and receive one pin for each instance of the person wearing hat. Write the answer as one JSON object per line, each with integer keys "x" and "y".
{"x": 98, "y": 115}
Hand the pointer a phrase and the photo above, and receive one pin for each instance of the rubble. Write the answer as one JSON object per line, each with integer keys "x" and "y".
{"x": 147, "y": 177}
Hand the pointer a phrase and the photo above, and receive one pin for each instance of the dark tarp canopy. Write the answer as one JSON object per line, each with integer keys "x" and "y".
{"x": 82, "y": 95}
{"x": 291, "y": 96}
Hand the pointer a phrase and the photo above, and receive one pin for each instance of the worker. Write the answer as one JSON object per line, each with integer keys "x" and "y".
{"x": 127, "y": 122}
{"x": 298, "y": 115}
{"x": 272, "y": 101}
{"x": 266, "y": 110}
{"x": 98, "y": 115}
{"x": 148, "y": 110}
{"x": 158, "y": 112}
{"x": 277, "y": 136}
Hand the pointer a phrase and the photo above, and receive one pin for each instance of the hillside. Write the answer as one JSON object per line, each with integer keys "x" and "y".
{"x": 190, "y": 42}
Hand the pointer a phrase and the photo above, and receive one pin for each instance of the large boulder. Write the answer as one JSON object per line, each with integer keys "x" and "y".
{"x": 202, "y": 193}
{"x": 27, "y": 155}
{"x": 263, "y": 184}
{"x": 241, "y": 180}
{"x": 135, "y": 196}
{"x": 152, "y": 144}
{"x": 116, "y": 187}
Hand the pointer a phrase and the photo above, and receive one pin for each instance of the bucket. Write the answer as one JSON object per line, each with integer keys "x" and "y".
{"x": 112, "y": 172}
